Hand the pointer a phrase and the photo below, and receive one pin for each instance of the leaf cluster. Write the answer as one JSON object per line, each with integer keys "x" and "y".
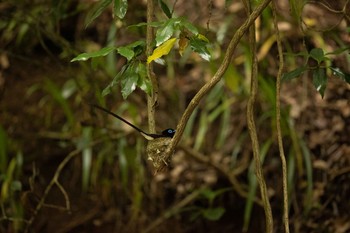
{"x": 134, "y": 74}
{"x": 317, "y": 64}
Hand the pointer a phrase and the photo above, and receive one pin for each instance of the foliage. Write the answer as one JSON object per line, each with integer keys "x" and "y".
{"x": 133, "y": 74}
{"x": 319, "y": 71}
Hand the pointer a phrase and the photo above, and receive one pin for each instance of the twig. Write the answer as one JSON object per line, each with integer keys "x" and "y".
{"x": 54, "y": 181}
{"x": 252, "y": 128}
{"x": 223, "y": 170}
{"x": 278, "y": 121}
{"x": 173, "y": 210}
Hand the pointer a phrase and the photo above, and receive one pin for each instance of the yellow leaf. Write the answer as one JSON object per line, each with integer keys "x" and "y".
{"x": 162, "y": 50}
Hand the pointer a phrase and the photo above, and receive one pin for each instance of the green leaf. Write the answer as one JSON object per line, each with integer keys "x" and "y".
{"x": 164, "y": 33}
{"x": 162, "y": 50}
{"x": 143, "y": 83}
{"x": 213, "y": 214}
{"x": 200, "y": 46}
{"x": 339, "y": 73}
{"x": 317, "y": 54}
{"x": 129, "y": 81}
{"x": 100, "y": 53}
{"x": 302, "y": 53}
{"x": 115, "y": 81}
{"x": 165, "y": 8}
{"x": 126, "y": 52}
{"x": 319, "y": 79}
{"x": 189, "y": 26}
{"x": 120, "y": 8}
{"x": 132, "y": 50}
{"x": 143, "y": 24}
{"x": 138, "y": 47}
{"x": 96, "y": 11}
{"x": 294, "y": 73}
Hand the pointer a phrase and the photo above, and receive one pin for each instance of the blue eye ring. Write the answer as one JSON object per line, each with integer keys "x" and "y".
{"x": 168, "y": 133}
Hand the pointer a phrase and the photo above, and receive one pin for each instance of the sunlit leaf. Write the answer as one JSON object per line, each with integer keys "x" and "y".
{"x": 167, "y": 31}
{"x": 200, "y": 46}
{"x": 100, "y": 53}
{"x": 213, "y": 214}
{"x": 294, "y": 73}
{"x": 339, "y": 73}
{"x": 319, "y": 79}
{"x": 165, "y": 8}
{"x": 162, "y": 50}
{"x": 129, "y": 84}
{"x": 129, "y": 81}
{"x": 97, "y": 10}
{"x": 120, "y": 8}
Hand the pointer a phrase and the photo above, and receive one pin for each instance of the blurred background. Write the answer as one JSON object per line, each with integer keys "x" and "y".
{"x": 65, "y": 167}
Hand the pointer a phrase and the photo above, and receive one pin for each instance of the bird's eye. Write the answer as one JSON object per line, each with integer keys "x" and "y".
{"x": 168, "y": 133}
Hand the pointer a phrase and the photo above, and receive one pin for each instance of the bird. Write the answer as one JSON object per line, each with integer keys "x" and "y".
{"x": 167, "y": 133}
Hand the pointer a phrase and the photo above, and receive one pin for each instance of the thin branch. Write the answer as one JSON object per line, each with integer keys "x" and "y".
{"x": 252, "y": 127}
{"x": 223, "y": 170}
{"x": 278, "y": 121}
{"x": 173, "y": 210}
{"x": 54, "y": 181}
